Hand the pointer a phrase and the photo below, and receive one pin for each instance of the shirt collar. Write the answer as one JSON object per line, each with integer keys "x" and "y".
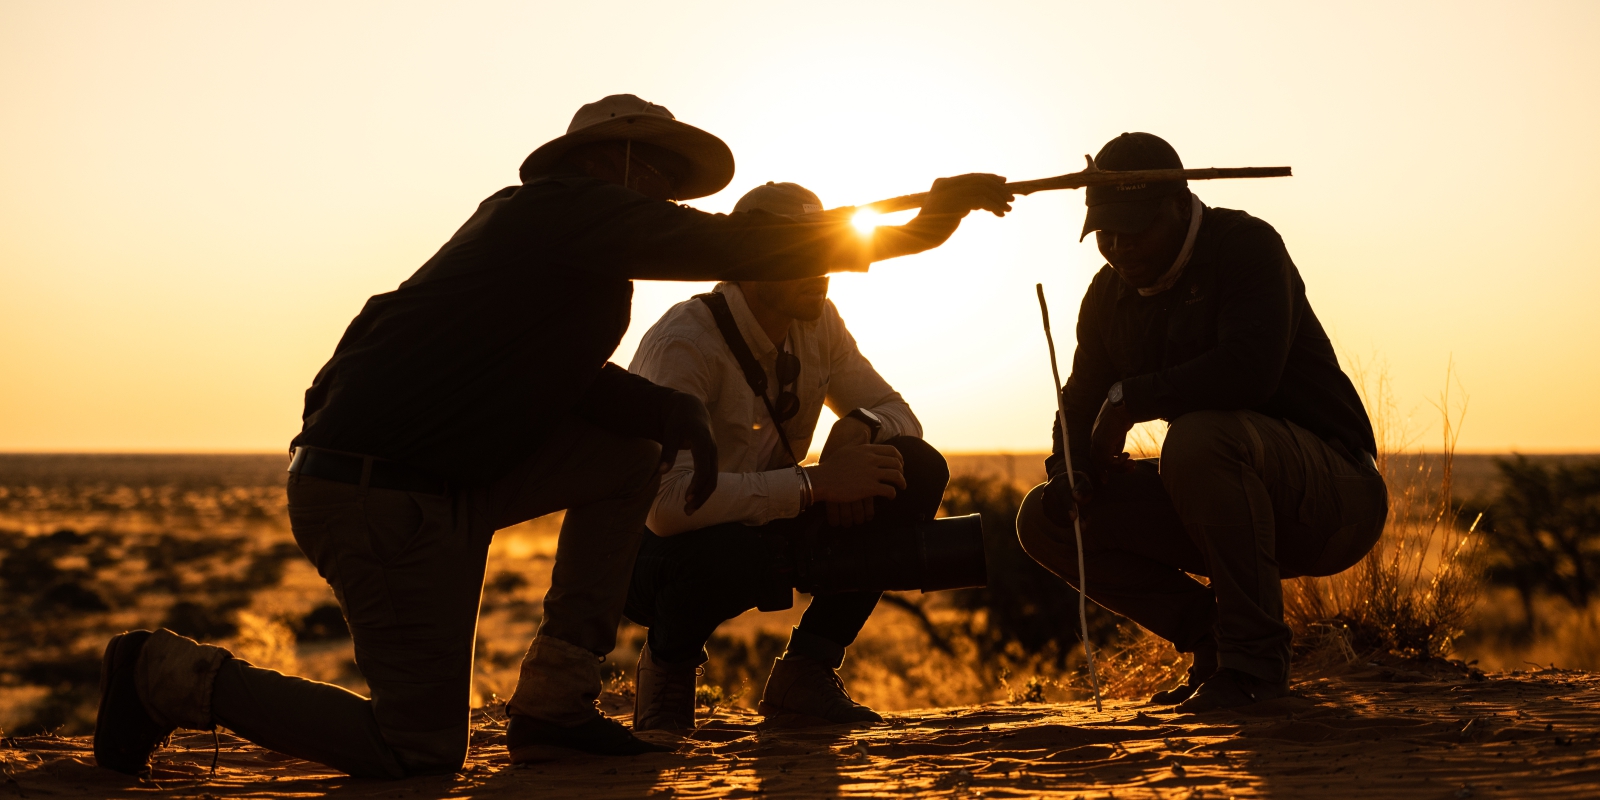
{"x": 1196, "y": 208}
{"x": 1181, "y": 263}
{"x": 759, "y": 343}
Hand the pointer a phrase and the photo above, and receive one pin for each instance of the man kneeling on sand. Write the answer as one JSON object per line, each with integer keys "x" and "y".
{"x": 695, "y": 573}
{"x": 1200, "y": 318}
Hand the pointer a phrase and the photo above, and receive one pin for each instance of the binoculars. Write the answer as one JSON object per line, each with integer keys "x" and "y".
{"x": 928, "y": 556}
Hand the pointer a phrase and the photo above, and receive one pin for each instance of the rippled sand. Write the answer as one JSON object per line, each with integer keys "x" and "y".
{"x": 1380, "y": 731}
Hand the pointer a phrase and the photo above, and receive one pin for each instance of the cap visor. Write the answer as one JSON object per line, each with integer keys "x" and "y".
{"x": 1120, "y": 217}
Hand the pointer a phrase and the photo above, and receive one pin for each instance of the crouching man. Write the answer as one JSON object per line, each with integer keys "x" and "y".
{"x": 1201, "y": 319}
{"x": 696, "y": 572}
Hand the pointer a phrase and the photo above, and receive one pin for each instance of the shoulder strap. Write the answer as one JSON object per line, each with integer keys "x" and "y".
{"x": 754, "y": 375}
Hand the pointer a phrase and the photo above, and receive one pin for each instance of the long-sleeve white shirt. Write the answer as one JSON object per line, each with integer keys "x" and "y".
{"x": 684, "y": 350}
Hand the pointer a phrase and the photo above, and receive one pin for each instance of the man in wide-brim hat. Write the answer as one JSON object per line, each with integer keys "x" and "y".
{"x": 473, "y": 397}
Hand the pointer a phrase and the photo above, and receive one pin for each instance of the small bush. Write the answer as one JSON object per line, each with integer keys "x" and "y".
{"x": 1543, "y": 531}
{"x": 1414, "y": 593}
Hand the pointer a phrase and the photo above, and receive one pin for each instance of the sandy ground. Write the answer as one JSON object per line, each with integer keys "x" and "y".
{"x": 1378, "y": 731}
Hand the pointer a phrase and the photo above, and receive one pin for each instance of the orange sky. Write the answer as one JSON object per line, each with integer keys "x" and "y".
{"x": 195, "y": 198}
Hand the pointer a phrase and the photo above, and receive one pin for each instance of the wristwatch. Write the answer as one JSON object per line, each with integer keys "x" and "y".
{"x": 1114, "y": 397}
{"x": 872, "y": 421}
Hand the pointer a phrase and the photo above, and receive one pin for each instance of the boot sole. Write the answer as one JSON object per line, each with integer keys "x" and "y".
{"x": 784, "y": 718}
{"x": 108, "y": 662}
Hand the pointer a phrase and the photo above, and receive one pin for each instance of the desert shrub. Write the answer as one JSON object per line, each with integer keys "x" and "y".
{"x": 1413, "y": 594}
{"x": 1543, "y": 531}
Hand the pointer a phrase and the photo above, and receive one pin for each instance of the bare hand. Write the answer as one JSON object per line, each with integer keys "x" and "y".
{"x": 1063, "y": 500}
{"x": 846, "y": 432}
{"x": 688, "y": 426}
{"x": 957, "y": 196}
{"x": 949, "y": 202}
{"x": 1109, "y": 437}
{"x": 855, "y": 474}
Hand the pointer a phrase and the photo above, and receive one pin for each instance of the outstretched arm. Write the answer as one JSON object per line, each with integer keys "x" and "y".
{"x": 595, "y": 226}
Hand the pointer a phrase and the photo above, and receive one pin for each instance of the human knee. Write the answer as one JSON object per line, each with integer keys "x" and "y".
{"x": 925, "y": 470}
{"x": 1043, "y": 540}
{"x": 641, "y": 459}
{"x": 1199, "y": 442}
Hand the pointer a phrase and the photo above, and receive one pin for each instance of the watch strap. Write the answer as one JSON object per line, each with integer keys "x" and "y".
{"x": 871, "y": 420}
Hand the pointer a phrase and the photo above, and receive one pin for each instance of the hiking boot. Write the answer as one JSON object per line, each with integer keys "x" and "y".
{"x": 1204, "y": 666}
{"x": 1177, "y": 694}
{"x": 531, "y": 741}
{"x": 124, "y": 732}
{"x": 663, "y": 698}
{"x": 801, "y": 687}
{"x": 1230, "y": 688}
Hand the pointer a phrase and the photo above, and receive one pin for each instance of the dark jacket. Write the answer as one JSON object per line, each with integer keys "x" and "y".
{"x": 465, "y": 369}
{"x": 1235, "y": 332}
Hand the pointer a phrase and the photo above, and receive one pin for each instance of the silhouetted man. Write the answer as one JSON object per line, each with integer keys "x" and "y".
{"x": 1200, "y": 318}
{"x": 478, "y": 395}
{"x": 696, "y": 572}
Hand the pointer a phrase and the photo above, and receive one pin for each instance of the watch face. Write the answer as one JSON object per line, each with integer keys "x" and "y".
{"x": 1115, "y": 395}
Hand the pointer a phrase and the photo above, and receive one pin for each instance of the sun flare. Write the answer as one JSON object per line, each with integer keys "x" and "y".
{"x": 866, "y": 220}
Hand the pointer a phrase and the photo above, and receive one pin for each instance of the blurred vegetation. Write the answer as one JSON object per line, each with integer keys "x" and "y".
{"x": 1543, "y": 532}
{"x": 90, "y": 547}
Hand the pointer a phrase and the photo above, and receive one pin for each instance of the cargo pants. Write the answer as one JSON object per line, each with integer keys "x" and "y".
{"x": 408, "y": 569}
{"x": 1239, "y": 497}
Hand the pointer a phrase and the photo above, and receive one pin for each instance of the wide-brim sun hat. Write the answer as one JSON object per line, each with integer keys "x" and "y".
{"x": 625, "y": 117}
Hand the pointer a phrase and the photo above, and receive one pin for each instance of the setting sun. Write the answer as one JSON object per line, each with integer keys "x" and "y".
{"x": 866, "y": 219}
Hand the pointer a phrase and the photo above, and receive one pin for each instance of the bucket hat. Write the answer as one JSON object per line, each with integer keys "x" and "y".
{"x": 625, "y": 117}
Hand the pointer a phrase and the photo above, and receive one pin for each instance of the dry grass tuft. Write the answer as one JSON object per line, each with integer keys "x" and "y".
{"x": 1414, "y": 594}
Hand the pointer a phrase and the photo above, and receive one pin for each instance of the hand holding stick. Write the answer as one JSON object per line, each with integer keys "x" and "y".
{"x": 1077, "y": 524}
{"x": 1093, "y": 176}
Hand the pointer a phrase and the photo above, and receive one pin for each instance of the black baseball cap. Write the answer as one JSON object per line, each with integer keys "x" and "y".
{"x": 1130, "y": 208}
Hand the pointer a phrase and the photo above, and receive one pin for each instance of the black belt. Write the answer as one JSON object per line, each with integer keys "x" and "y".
{"x": 377, "y": 473}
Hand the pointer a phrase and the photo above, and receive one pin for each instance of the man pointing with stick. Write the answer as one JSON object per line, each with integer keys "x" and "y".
{"x": 1201, "y": 318}
{"x": 477, "y": 395}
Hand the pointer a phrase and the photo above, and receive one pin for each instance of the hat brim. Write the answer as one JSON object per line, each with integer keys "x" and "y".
{"x": 710, "y": 160}
{"x": 1131, "y": 217}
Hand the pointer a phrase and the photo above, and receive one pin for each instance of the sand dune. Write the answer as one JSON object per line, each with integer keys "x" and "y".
{"x": 1397, "y": 730}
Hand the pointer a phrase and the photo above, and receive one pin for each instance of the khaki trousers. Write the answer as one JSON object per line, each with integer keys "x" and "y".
{"x": 408, "y": 568}
{"x": 1239, "y": 497}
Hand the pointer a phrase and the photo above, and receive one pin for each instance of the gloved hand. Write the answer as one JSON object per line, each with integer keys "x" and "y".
{"x": 1061, "y": 505}
{"x": 689, "y": 426}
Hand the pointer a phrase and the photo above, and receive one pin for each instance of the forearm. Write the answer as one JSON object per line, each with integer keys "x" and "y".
{"x": 924, "y": 232}
{"x": 744, "y": 246}
{"x": 897, "y": 419}
{"x": 625, "y": 403}
{"x": 753, "y": 498}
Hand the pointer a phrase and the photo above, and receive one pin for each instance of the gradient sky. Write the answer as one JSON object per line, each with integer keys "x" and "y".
{"x": 196, "y": 198}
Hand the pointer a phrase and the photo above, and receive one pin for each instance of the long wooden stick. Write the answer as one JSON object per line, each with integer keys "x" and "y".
{"x": 1096, "y": 177}
{"x": 1077, "y": 525}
